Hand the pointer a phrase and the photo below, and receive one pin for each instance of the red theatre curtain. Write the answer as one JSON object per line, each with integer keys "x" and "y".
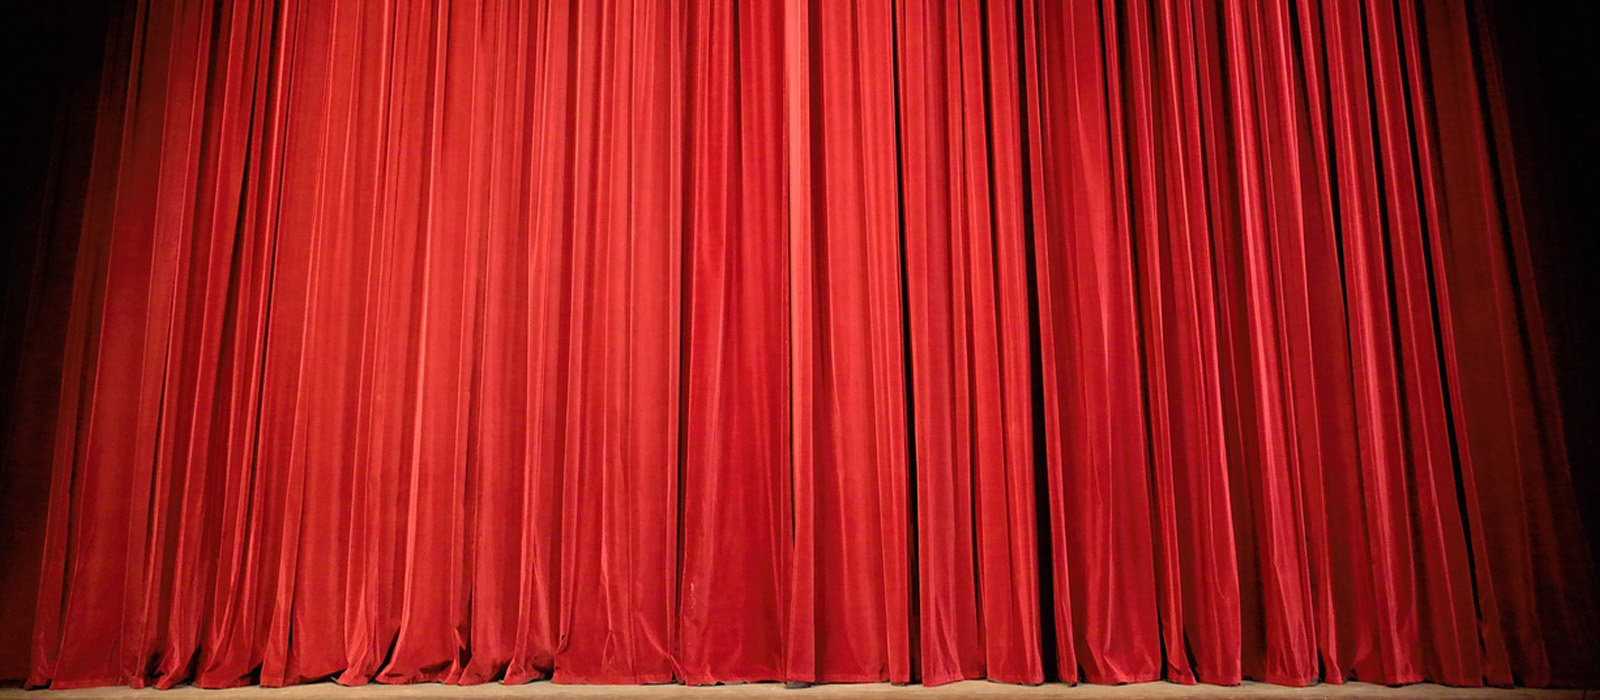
{"x": 908, "y": 340}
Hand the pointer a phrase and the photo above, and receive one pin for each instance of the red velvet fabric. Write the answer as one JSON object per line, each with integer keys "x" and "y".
{"x": 814, "y": 340}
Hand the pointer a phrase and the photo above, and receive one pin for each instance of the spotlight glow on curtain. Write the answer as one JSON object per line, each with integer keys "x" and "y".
{"x": 818, "y": 340}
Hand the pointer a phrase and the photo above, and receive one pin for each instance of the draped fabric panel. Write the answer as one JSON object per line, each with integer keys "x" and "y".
{"x": 811, "y": 341}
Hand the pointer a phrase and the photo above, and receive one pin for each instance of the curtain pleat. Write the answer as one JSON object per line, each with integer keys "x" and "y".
{"x": 806, "y": 341}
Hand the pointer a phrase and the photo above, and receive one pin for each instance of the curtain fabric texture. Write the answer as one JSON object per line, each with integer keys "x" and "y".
{"x": 816, "y": 340}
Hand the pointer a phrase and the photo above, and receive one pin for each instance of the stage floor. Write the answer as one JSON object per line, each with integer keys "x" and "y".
{"x": 968, "y": 689}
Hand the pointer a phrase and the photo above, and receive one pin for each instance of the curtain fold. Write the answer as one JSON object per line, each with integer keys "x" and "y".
{"x": 808, "y": 341}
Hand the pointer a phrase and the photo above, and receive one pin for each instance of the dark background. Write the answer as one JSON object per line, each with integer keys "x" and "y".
{"x": 1550, "y": 59}
{"x": 50, "y": 57}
